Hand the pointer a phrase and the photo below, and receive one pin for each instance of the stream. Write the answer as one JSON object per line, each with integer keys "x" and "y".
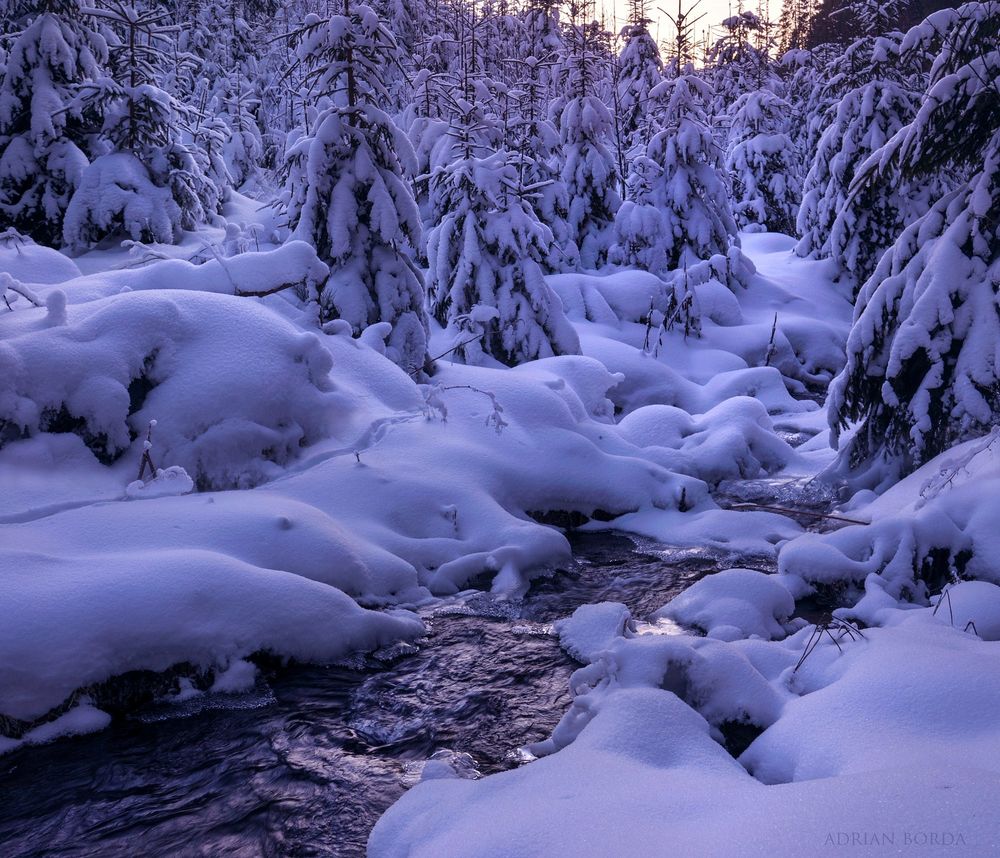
{"x": 306, "y": 763}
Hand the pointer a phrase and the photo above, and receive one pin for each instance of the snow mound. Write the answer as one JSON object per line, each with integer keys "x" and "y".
{"x": 938, "y": 522}
{"x": 235, "y": 389}
{"x": 32, "y": 263}
{"x": 169, "y": 481}
{"x": 592, "y": 629}
{"x": 64, "y": 626}
{"x": 734, "y": 439}
{"x": 734, "y": 604}
{"x": 915, "y": 690}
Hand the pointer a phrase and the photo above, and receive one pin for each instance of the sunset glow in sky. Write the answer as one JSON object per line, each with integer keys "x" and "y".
{"x": 714, "y": 11}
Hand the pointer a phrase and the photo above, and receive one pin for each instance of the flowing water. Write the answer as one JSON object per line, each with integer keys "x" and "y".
{"x": 307, "y": 762}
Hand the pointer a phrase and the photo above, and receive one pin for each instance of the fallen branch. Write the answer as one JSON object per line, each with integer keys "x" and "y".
{"x": 263, "y": 293}
{"x": 784, "y": 510}
{"x": 445, "y": 354}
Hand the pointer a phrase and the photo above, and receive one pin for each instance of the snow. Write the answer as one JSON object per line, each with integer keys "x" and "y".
{"x": 362, "y": 489}
{"x": 28, "y": 262}
{"x": 734, "y": 604}
{"x": 223, "y": 436}
{"x": 637, "y": 759}
{"x": 645, "y": 771}
{"x": 72, "y": 618}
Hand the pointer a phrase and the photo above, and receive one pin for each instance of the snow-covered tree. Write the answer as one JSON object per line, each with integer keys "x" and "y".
{"x": 43, "y": 135}
{"x": 543, "y": 39}
{"x": 762, "y": 164}
{"x": 590, "y": 176}
{"x": 244, "y": 145}
{"x": 589, "y": 170}
{"x": 149, "y": 184}
{"x": 486, "y": 281}
{"x": 923, "y": 356}
{"x": 739, "y": 61}
{"x": 679, "y": 213}
{"x": 358, "y": 209}
{"x": 855, "y": 229}
{"x": 537, "y": 145}
{"x": 640, "y": 69}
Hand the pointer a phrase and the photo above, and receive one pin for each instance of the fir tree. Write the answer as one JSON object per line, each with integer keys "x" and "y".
{"x": 358, "y": 210}
{"x": 680, "y": 179}
{"x": 486, "y": 280}
{"x": 589, "y": 171}
{"x": 149, "y": 184}
{"x": 640, "y": 69}
{"x": 44, "y": 140}
{"x": 855, "y": 229}
{"x": 923, "y": 354}
{"x": 536, "y": 143}
{"x": 761, "y": 162}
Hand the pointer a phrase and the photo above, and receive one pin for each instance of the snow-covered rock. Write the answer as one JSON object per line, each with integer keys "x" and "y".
{"x": 734, "y": 604}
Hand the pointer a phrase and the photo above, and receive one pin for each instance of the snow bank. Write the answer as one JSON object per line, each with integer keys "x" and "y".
{"x": 65, "y": 624}
{"x": 592, "y": 629}
{"x": 646, "y": 771}
{"x": 292, "y": 264}
{"x": 787, "y": 330}
{"x": 641, "y": 759}
{"x": 734, "y": 439}
{"x": 937, "y": 523}
{"x": 918, "y": 690}
{"x": 369, "y": 490}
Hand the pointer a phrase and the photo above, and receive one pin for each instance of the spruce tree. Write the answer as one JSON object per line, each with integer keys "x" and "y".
{"x": 149, "y": 183}
{"x": 589, "y": 171}
{"x": 485, "y": 274}
{"x": 358, "y": 209}
{"x": 44, "y": 137}
{"x": 679, "y": 211}
{"x": 762, "y": 165}
{"x": 640, "y": 69}
{"x": 923, "y": 356}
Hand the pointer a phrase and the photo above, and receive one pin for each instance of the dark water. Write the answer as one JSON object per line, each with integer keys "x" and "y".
{"x": 306, "y": 763}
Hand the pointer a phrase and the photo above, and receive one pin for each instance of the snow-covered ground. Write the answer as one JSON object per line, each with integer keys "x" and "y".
{"x": 334, "y": 490}
{"x": 311, "y": 494}
{"x": 876, "y": 734}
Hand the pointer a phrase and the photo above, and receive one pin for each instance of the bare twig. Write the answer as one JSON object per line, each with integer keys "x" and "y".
{"x": 147, "y": 459}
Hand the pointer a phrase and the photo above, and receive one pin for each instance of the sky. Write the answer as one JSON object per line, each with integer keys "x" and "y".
{"x": 715, "y": 11}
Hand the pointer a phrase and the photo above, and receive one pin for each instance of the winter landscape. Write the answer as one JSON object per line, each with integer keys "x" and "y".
{"x": 455, "y": 428}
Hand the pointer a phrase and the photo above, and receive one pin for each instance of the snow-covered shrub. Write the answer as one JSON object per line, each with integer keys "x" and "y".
{"x": 485, "y": 277}
{"x": 234, "y": 388}
{"x": 116, "y": 193}
{"x": 762, "y": 165}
